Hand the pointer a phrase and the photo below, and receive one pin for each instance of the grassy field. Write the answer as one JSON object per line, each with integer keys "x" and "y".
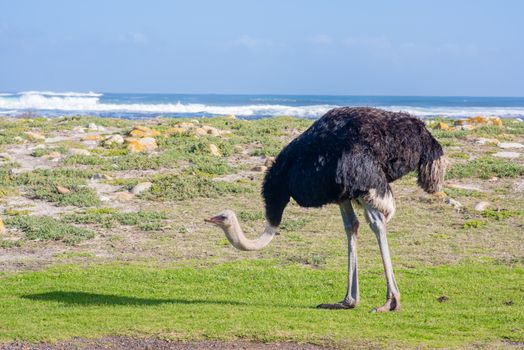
{"x": 264, "y": 301}
{"x": 82, "y": 256}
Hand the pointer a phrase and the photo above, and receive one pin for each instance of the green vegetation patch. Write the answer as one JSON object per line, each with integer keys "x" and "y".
{"x": 485, "y": 168}
{"x": 184, "y": 186}
{"x": 474, "y": 224}
{"x": 46, "y": 228}
{"x": 442, "y": 306}
{"x": 107, "y": 218}
{"x": 500, "y": 214}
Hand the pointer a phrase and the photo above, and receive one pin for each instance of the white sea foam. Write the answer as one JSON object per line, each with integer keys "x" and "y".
{"x": 90, "y": 102}
{"x": 53, "y": 93}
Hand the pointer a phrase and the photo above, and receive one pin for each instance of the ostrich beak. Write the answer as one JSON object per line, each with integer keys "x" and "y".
{"x": 215, "y": 219}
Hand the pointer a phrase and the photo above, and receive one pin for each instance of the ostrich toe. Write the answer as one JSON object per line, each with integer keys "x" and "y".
{"x": 392, "y": 304}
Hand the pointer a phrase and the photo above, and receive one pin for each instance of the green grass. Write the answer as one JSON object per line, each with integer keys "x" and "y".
{"x": 264, "y": 301}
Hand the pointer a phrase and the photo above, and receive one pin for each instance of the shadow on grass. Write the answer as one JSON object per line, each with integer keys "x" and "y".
{"x": 87, "y": 299}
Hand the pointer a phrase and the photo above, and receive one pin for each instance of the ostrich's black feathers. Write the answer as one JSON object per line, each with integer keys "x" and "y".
{"x": 346, "y": 153}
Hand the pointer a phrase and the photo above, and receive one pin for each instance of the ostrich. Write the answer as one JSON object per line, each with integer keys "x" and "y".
{"x": 348, "y": 155}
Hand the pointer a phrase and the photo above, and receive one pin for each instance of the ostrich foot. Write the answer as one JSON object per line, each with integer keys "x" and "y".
{"x": 342, "y": 305}
{"x": 392, "y": 304}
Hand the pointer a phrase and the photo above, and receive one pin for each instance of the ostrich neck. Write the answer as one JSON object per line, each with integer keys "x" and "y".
{"x": 236, "y": 237}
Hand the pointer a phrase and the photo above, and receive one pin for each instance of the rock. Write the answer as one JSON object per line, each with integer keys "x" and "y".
{"x": 510, "y": 155}
{"x": 454, "y": 203}
{"x": 211, "y": 130}
{"x": 259, "y": 168}
{"x": 467, "y": 127}
{"x": 230, "y": 117}
{"x": 101, "y": 177}
{"x": 493, "y": 179}
{"x": 124, "y": 196}
{"x": 143, "y": 131}
{"x": 79, "y": 129}
{"x": 34, "y": 136}
{"x": 176, "y": 131}
{"x": 114, "y": 140}
{"x": 62, "y": 190}
{"x": 185, "y": 125}
{"x": 441, "y": 126}
{"x": 79, "y": 151}
{"x": 507, "y": 145}
{"x": 92, "y": 138}
{"x": 93, "y": 127}
{"x": 214, "y": 150}
{"x": 483, "y": 141}
{"x": 18, "y": 139}
{"x": 2, "y": 226}
{"x": 200, "y": 132}
{"x": 141, "y": 187}
{"x": 145, "y": 144}
{"x": 269, "y": 161}
{"x": 481, "y": 206}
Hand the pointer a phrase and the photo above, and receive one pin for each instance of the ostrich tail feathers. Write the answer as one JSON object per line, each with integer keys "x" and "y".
{"x": 431, "y": 174}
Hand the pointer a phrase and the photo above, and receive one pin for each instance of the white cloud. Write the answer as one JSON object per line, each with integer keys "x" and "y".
{"x": 251, "y": 42}
{"x": 321, "y": 39}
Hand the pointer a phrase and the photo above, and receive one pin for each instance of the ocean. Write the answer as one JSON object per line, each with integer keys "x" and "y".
{"x": 146, "y": 105}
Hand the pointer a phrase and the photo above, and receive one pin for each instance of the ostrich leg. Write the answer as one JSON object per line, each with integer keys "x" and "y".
{"x": 352, "y": 297}
{"x": 377, "y": 222}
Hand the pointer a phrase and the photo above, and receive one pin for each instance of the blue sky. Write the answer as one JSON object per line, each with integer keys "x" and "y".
{"x": 473, "y": 48}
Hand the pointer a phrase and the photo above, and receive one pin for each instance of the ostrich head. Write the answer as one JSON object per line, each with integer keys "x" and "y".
{"x": 223, "y": 219}
{"x": 228, "y": 222}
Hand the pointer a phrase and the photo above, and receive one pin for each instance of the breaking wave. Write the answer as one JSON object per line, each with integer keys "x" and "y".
{"x": 90, "y": 102}
{"x": 60, "y": 103}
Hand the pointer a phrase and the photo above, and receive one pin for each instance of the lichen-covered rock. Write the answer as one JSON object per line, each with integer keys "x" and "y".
{"x": 176, "y": 131}
{"x": 124, "y": 196}
{"x": 507, "y": 145}
{"x": 137, "y": 145}
{"x": 454, "y": 203}
{"x": 214, "y": 150}
{"x": 441, "y": 126}
{"x": 510, "y": 155}
{"x": 185, "y": 125}
{"x": 114, "y": 140}
{"x": 141, "y": 187}
{"x": 200, "y": 132}
{"x": 92, "y": 138}
{"x": 63, "y": 190}
{"x": 143, "y": 131}
{"x": 34, "y": 136}
{"x": 211, "y": 130}
{"x": 79, "y": 151}
{"x": 481, "y": 206}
